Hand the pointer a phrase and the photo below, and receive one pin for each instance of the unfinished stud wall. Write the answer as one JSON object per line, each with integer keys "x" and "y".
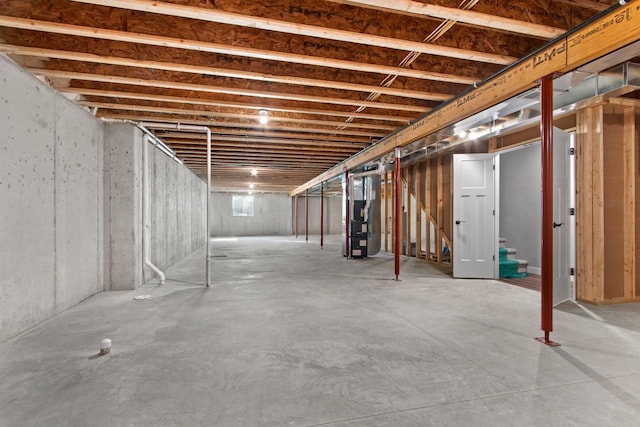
{"x": 606, "y": 209}
{"x": 51, "y": 194}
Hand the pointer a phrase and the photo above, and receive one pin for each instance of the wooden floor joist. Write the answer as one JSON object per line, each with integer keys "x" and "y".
{"x": 602, "y": 36}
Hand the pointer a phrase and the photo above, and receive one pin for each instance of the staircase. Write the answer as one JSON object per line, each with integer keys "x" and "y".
{"x": 510, "y": 266}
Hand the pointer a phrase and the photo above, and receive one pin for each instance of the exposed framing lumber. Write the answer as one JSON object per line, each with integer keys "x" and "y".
{"x": 629, "y": 201}
{"x": 178, "y": 145}
{"x": 353, "y": 141}
{"x": 283, "y": 143}
{"x": 580, "y": 47}
{"x": 222, "y": 17}
{"x": 587, "y": 4}
{"x": 216, "y": 114}
{"x": 223, "y": 90}
{"x": 414, "y": 8}
{"x": 213, "y": 103}
{"x": 221, "y": 72}
{"x": 130, "y": 37}
{"x": 213, "y": 123}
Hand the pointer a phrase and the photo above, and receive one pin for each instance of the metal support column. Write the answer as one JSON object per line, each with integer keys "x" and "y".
{"x": 322, "y": 215}
{"x": 306, "y": 213}
{"x": 546, "y": 132}
{"x": 348, "y": 214}
{"x": 398, "y": 214}
{"x": 295, "y": 200}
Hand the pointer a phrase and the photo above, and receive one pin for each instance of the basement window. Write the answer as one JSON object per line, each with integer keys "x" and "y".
{"x": 242, "y": 205}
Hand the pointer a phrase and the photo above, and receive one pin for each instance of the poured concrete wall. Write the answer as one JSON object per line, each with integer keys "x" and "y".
{"x": 177, "y": 208}
{"x": 272, "y": 216}
{"x": 51, "y": 193}
{"x": 71, "y": 204}
{"x": 332, "y": 214}
{"x": 178, "y": 203}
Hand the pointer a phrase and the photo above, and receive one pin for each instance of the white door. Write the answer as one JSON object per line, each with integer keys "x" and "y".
{"x": 562, "y": 285}
{"x": 474, "y": 240}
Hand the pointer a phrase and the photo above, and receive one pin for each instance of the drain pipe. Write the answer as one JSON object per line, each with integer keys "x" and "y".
{"x": 145, "y": 209}
{"x": 195, "y": 128}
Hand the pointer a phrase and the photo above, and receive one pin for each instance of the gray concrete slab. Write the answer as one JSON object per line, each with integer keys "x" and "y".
{"x": 292, "y": 335}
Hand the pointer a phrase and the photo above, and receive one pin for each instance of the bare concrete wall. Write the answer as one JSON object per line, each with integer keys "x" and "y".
{"x": 332, "y": 214}
{"x": 178, "y": 203}
{"x": 272, "y": 216}
{"x": 177, "y": 208}
{"x": 51, "y": 196}
{"x": 71, "y": 204}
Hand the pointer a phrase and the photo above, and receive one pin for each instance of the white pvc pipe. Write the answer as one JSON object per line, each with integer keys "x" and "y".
{"x": 145, "y": 209}
{"x": 195, "y": 128}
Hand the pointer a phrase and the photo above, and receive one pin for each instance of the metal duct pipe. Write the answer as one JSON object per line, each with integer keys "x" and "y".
{"x": 145, "y": 209}
{"x": 195, "y": 128}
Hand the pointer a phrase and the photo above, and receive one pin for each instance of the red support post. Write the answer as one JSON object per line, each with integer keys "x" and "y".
{"x": 546, "y": 132}
{"x": 348, "y": 214}
{"x": 322, "y": 215}
{"x": 296, "y": 210}
{"x": 306, "y": 213}
{"x": 398, "y": 197}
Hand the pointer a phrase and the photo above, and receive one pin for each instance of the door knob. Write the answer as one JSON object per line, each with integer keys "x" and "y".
{"x": 558, "y": 224}
{"x": 458, "y": 222}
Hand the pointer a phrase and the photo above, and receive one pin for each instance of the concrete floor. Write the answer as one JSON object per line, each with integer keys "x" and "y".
{"x": 290, "y": 336}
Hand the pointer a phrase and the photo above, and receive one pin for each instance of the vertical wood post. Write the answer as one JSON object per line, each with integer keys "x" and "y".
{"x": 398, "y": 200}
{"x": 546, "y": 131}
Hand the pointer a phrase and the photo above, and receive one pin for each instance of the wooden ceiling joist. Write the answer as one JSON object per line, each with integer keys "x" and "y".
{"x": 213, "y": 123}
{"x": 215, "y": 114}
{"x": 409, "y": 7}
{"x": 162, "y": 41}
{"x": 224, "y": 90}
{"x": 325, "y": 145}
{"x": 200, "y": 70}
{"x": 587, "y": 4}
{"x": 279, "y": 136}
{"x": 236, "y": 19}
{"x": 213, "y": 103}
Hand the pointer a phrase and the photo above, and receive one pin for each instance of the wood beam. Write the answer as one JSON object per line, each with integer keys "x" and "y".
{"x": 564, "y": 55}
{"x": 478, "y": 19}
{"x": 268, "y": 55}
{"x": 221, "y": 72}
{"x": 224, "y": 90}
{"x": 213, "y": 103}
{"x": 230, "y": 18}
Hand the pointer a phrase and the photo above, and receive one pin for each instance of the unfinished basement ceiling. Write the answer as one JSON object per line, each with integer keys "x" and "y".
{"x": 333, "y": 76}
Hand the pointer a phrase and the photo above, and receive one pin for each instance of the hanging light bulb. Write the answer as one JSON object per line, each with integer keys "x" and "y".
{"x": 263, "y": 117}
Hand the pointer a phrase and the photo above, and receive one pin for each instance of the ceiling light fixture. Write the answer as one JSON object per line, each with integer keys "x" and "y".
{"x": 264, "y": 117}
{"x": 254, "y": 172}
{"x": 252, "y": 185}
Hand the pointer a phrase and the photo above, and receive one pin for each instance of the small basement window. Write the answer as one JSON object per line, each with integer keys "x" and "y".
{"x": 242, "y": 205}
